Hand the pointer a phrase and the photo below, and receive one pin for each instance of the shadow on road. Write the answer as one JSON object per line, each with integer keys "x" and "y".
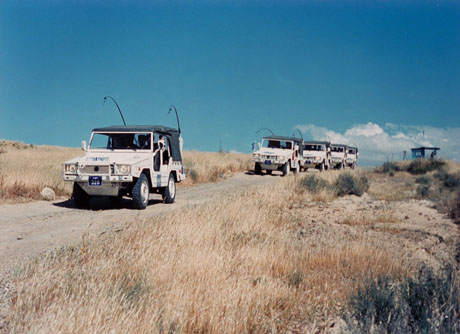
{"x": 103, "y": 203}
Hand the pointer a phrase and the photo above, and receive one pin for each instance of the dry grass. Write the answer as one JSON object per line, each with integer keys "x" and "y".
{"x": 234, "y": 266}
{"x": 386, "y": 216}
{"x": 213, "y": 166}
{"x": 26, "y": 169}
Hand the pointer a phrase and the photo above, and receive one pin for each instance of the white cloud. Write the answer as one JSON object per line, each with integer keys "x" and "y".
{"x": 378, "y": 144}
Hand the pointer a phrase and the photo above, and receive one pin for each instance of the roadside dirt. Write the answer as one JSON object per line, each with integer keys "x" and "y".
{"x": 30, "y": 229}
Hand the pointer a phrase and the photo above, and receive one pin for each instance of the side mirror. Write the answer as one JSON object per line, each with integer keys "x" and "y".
{"x": 83, "y": 145}
{"x": 258, "y": 146}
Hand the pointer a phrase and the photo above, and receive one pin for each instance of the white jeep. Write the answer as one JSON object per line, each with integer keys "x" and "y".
{"x": 129, "y": 161}
{"x": 352, "y": 157}
{"x": 279, "y": 154}
{"x": 338, "y": 155}
{"x": 317, "y": 154}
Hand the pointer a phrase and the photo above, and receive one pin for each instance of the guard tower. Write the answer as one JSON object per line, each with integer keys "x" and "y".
{"x": 424, "y": 152}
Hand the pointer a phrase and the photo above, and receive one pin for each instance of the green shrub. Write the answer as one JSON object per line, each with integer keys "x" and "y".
{"x": 390, "y": 167}
{"x": 423, "y": 166}
{"x": 429, "y": 304}
{"x": 423, "y": 191}
{"x": 423, "y": 180}
{"x": 348, "y": 184}
{"x": 452, "y": 181}
{"x": 314, "y": 184}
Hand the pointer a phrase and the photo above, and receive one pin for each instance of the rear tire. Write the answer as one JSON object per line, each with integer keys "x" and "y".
{"x": 257, "y": 169}
{"x": 141, "y": 192}
{"x": 297, "y": 169}
{"x": 286, "y": 168}
{"x": 169, "y": 193}
{"x": 321, "y": 167}
{"x": 80, "y": 197}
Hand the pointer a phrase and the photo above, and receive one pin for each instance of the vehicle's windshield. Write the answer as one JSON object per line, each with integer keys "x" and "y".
{"x": 282, "y": 144}
{"x": 120, "y": 141}
{"x": 337, "y": 148}
{"x": 311, "y": 147}
{"x": 351, "y": 151}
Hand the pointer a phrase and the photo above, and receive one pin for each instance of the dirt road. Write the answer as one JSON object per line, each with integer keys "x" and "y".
{"x": 31, "y": 228}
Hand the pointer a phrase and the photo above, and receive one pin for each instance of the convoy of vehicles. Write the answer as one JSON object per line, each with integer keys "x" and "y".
{"x": 285, "y": 154}
{"x": 277, "y": 153}
{"x": 138, "y": 160}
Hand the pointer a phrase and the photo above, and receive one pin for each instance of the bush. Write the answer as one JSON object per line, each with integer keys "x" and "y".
{"x": 423, "y": 166}
{"x": 427, "y": 305}
{"x": 390, "y": 168}
{"x": 423, "y": 191}
{"x": 347, "y": 184}
{"x": 452, "y": 181}
{"x": 314, "y": 184}
{"x": 423, "y": 180}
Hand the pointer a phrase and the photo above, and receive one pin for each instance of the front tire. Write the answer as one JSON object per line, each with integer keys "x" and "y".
{"x": 297, "y": 169}
{"x": 286, "y": 168}
{"x": 169, "y": 193}
{"x": 257, "y": 169}
{"x": 141, "y": 192}
{"x": 80, "y": 197}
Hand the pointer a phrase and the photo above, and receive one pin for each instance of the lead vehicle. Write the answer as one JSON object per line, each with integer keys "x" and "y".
{"x": 129, "y": 161}
{"x": 278, "y": 153}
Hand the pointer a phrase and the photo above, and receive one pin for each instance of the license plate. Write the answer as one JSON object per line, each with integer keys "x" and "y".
{"x": 95, "y": 181}
{"x": 268, "y": 162}
{"x": 308, "y": 161}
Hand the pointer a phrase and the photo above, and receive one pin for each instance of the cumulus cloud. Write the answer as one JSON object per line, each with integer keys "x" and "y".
{"x": 388, "y": 142}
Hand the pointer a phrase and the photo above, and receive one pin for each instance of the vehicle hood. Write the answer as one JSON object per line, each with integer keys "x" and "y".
{"x": 106, "y": 158}
{"x": 337, "y": 154}
{"x": 313, "y": 153}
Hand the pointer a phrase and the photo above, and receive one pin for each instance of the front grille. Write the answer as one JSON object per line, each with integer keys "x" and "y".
{"x": 268, "y": 157}
{"x": 94, "y": 170}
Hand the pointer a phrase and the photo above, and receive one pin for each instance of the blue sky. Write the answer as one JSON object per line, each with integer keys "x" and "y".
{"x": 233, "y": 67}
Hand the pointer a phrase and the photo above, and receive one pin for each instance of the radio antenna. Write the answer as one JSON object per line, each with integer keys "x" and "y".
{"x": 177, "y": 116}
{"x": 105, "y": 99}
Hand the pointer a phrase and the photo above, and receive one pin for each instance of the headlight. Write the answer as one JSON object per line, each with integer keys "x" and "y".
{"x": 256, "y": 155}
{"x": 122, "y": 169}
{"x": 317, "y": 158}
{"x": 280, "y": 157}
{"x": 70, "y": 168}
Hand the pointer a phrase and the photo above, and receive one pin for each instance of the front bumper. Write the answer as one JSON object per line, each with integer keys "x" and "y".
{"x": 111, "y": 184}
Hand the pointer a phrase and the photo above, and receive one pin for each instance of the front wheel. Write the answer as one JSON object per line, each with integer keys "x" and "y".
{"x": 141, "y": 192}
{"x": 79, "y": 196}
{"x": 286, "y": 168}
{"x": 257, "y": 168}
{"x": 321, "y": 167}
{"x": 169, "y": 193}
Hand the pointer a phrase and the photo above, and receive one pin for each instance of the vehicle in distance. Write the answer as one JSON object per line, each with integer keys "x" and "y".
{"x": 278, "y": 153}
{"x": 352, "y": 157}
{"x": 316, "y": 154}
{"x": 338, "y": 155}
{"x": 131, "y": 161}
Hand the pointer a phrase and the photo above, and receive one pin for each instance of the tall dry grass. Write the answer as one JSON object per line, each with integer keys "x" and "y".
{"x": 213, "y": 166}
{"x": 26, "y": 169}
{"x": 234, "y": 266}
